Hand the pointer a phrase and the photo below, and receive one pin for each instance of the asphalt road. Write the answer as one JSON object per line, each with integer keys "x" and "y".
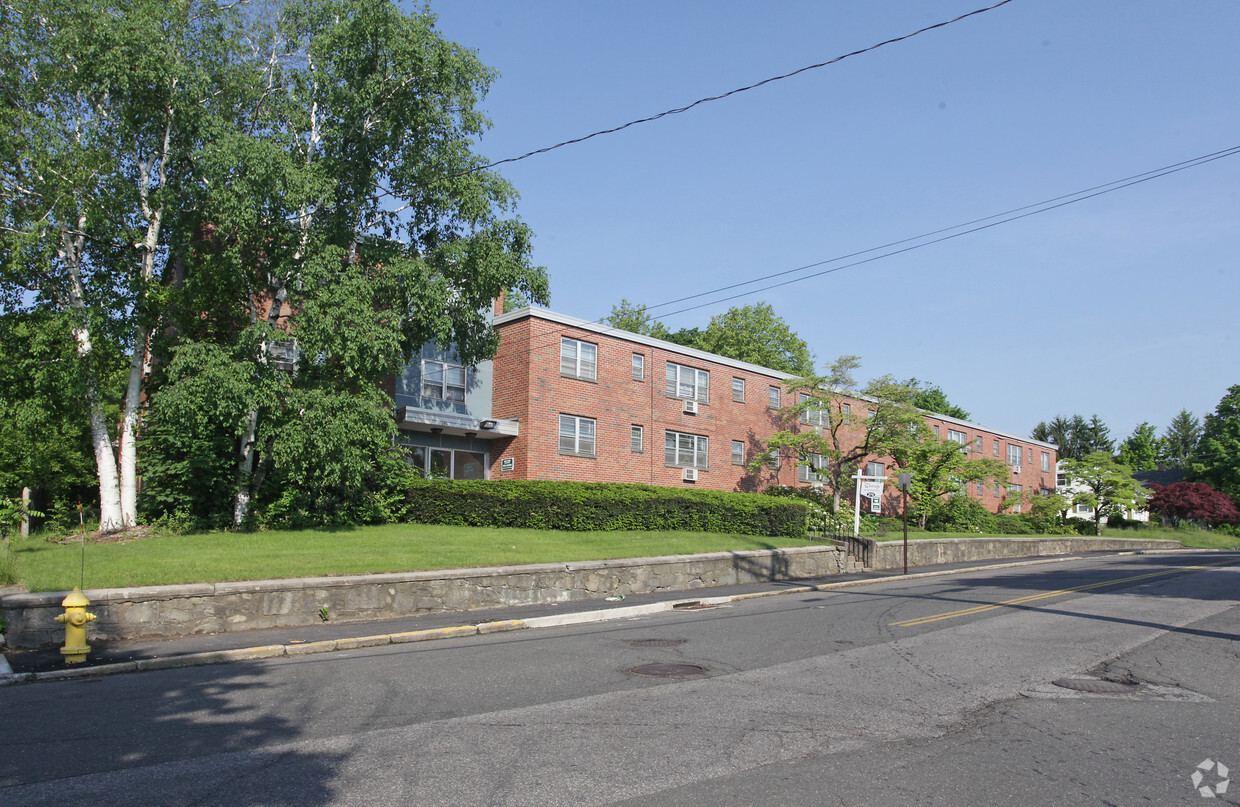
{"x": 934, "y": 691}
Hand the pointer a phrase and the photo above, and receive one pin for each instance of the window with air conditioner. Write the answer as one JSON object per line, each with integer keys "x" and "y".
{"x": 687, "y": 382}
{"x": 813, "y": 411}
{"x": 685, "y": 450}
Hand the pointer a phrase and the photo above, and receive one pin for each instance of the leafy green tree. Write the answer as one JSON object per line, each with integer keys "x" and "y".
{"x": 753, "y": 333}
{"x": 1098, "y": 481}
{"x": 822, "y": 430}
{"x": 1179, "y": 441}
{"x": 941, "y": 468}
{"x": 293, "y": 183}
{"x": 1218, "y": 453}
{"x": 635, "y": 318}
{"x": 103, "y": 104}
{"x": 44, "y": 433}
{"x": 1141, "y": 449}
{"x": 931, "y": 398}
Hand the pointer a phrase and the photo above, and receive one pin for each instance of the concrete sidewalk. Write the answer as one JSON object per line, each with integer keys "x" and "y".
{"x": 133, "y": 656}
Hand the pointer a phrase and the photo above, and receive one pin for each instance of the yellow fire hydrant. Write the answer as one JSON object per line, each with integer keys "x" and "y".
{"x": 74, "y": 619}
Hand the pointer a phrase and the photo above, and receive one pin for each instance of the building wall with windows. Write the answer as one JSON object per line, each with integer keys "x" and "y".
{"x": 594, "y": 403}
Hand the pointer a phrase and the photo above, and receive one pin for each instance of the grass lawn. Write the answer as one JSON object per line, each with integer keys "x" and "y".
{"x": 1190, "y": 536}
{"x": 41, "y": 565}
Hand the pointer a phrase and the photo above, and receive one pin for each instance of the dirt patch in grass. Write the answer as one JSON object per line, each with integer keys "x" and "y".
{"x": 130, "y": 534}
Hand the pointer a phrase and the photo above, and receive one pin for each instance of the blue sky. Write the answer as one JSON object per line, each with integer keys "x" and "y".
{"x": 1124, "y": 305}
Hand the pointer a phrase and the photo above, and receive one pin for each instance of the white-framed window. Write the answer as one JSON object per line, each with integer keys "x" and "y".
{"x": 738, "y": 390}
{"x": 578, "y": 359}
{"x": 639, "y": 367}
{"x": 738, "y": 452}
{"x": 959, "y": 437}
{"x": 1013, "y": 455}
{"x": 936, "y": 430}
{"x": 1084, "y": 508}
{"x": 772, "y": 397}
{"x": 996, "y": 448}
{"x": 1046, "y": 461}
{"x": 576, "y": 436}
{"x": 845, "y": 410}
{"x": 809, "y": 473}
{"x": 443, "y": 381}
{"x": 979, "y": 445}
{"x": 998, "y": 491}
{"x": 636, "y": 438}
{"x": 980, "y": 490}
{"x": 875, "y": 469}
{"x": 687, "y": 382}
{"x": 1031, "y": 457}
{"x": 816, "y": 414}
{"x": 685, "y": 450}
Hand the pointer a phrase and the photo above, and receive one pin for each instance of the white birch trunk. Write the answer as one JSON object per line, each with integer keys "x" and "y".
{"x": 138, "y": 360}
{"x": 111, "y": 518}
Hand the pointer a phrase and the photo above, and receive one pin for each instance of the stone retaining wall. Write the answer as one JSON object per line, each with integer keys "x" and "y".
{"x": 185, "y": 610}
{"x": 930, "y": 551}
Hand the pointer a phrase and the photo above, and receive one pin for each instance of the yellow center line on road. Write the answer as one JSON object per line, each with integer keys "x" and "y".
{"x": 978, "y": 609}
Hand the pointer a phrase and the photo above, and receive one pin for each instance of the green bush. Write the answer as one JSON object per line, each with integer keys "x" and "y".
{"x": 587, "y": 506}
{"x": 961, "y": 513}
{"x": 1011, "y": 524}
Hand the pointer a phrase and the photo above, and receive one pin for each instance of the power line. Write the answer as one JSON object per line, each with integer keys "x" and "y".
{"x": 935, "y": 236}
{"x": 729, "y": 93}
{"x": 991, "y": 221}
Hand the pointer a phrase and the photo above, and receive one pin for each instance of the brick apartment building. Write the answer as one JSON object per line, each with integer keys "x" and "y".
{"x": 565, "y": 398}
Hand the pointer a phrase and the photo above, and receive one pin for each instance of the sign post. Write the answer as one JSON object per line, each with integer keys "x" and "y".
{"x": 867, "y": 486}
{"x": 906, "y": 481}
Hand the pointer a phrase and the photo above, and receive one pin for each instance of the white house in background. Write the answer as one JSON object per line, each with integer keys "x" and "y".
{"x": 1068, "y": 488}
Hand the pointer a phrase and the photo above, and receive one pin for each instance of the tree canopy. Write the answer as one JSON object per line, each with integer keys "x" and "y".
{"x": 1217, "y": 459}
{"x": 282, "y": 198}
{"x": 1193, "y": 501}
{"x": 1099, "y": 482}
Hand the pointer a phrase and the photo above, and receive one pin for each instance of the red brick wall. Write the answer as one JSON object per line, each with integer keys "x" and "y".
{"x": 528, "y": 386}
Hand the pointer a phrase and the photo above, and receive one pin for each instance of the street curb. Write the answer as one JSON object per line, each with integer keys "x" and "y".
{"x": 293, "y": 649}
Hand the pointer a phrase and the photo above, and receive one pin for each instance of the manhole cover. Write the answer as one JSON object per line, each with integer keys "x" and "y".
{"x": 668, "y": 670}
{"x": 1096, "y": 686}
{"x": 657, "y": 642}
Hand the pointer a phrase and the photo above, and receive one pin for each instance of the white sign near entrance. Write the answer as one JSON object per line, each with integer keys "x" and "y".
{"x": 871, "y": 488}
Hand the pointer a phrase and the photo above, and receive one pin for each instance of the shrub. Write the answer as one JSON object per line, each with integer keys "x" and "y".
{"x": 586, "y": 506}
{"x": 1010, "y": 524}
{"x": 960, "y": 514}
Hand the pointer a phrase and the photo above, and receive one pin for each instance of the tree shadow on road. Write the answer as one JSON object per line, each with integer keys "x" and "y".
{"x": 188, "y": 736}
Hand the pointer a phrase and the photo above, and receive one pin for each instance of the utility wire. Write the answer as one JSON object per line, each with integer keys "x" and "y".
{"x": 944, "y": 234}
{"x": 738, "y": 90}
{"x": 1003, "y": 218}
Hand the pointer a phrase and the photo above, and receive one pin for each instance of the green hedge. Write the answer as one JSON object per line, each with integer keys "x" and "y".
{"x": 586, "y": 506}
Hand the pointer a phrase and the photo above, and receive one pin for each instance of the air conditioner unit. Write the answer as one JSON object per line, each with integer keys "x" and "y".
{"x": 691, "y": 408}
{"x": 1015, "y": 469}
{"x": 688, "y": 475}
